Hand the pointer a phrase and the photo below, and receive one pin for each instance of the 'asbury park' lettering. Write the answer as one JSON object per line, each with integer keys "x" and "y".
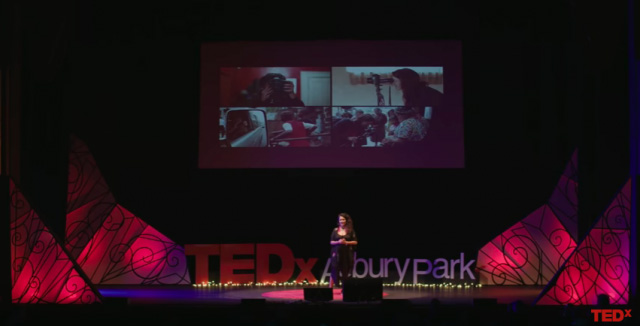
{"x": 439, "y": 268}
{"x": 249, "y": 262}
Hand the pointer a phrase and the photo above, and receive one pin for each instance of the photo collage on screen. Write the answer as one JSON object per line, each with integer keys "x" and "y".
{"x": 344, "y": 107}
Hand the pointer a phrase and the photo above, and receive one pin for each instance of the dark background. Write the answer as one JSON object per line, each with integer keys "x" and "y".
{"x": 540, "y": 79}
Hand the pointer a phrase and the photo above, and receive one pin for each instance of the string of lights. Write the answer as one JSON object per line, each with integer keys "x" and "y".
{"x": 213, "y": 284}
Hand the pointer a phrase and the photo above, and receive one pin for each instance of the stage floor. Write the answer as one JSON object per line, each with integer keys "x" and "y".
{"x": 170, "y": 294}
{"x": 171, "y": 305}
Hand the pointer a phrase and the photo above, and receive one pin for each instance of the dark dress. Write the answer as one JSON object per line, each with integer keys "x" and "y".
{"x": 342, "y": 257}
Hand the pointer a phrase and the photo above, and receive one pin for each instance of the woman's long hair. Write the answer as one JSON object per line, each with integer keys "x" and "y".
{"x": 349, "y": 225}
{"x": 410, "y": 84}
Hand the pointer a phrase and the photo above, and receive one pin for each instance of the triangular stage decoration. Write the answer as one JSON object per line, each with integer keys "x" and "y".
{"x": 112, "y": 245}
{"x": 600, "y": 264}
{"x": 41, "y": 270}
{"x": 564, "y": 199}
{"x": 532, "y": 250}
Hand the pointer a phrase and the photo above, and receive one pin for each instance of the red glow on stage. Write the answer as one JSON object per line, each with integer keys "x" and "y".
{"x": 41, "y": 271}
{"x": 126, "y": 250}
{"x": 528, "y": 253}
{"x": 111, "y": 244}
{"x": 298, "y": 294}
{"x": 532, "y": 251}
{"x": 600, "y": 265}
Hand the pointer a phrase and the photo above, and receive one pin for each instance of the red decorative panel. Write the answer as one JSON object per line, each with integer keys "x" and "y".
{"x": 532, "y": 250}
{"x": 111, "y": 244}
{"x": 600, "y": 265}
{"x": 126, "y": 250}
{"x": 564, "y": 199}
{"x": 41, "y": 270}
{"x": 89, "y": 200}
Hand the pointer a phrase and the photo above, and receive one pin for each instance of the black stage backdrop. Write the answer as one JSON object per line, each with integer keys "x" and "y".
{"x": 539, "y": 80}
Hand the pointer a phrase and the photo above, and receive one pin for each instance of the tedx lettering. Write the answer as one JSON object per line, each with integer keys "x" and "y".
{"x": 610, "y": 315}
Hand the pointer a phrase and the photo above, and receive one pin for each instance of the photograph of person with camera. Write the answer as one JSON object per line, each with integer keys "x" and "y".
{"x": 387, "y": 86}
{"x": 299, "y": 126}
{"x": 361, "y": 126}
{"x": 275, "y": 87}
